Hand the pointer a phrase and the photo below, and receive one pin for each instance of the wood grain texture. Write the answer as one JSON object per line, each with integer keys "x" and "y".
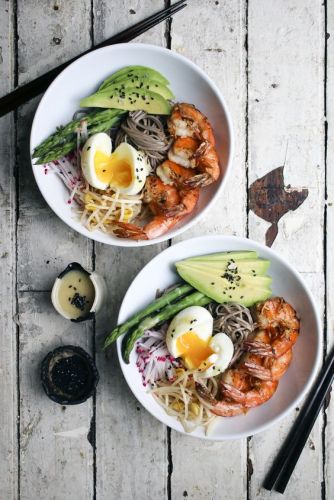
{"x": 219, "y": 50}
{"x": 286, "y": 127}
{"x": 8, "y": 393}
{"x": 62, "y": 466}
{"x": 131, "y": 445}
{"x": 329, "y": 429}
{"x": 54, "y": 465}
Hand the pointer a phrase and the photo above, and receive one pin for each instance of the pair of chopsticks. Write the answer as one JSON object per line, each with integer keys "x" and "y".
{"x": 32, "y": 89}
{"x": 288, "y": 456}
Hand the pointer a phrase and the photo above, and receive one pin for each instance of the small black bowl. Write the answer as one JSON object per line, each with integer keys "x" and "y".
{"x": 69, "y": 375}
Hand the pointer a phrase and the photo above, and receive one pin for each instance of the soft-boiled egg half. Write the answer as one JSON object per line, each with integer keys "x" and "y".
{"x": 189, "y": 337}
{"x": 125, "y": 169}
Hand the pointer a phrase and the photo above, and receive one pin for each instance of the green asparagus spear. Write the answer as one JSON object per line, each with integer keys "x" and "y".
{"x": 157, "y": 304}
{"x": 62, "y": 133}
{"x": 195, "y": 299}
{"x": 63, "y": 141}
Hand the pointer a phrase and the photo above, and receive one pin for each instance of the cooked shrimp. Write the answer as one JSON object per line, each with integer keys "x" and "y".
{"x": 168, "y": 203}
{"x": 220, "y": 408}
{"x": 243, "y": 386}
{"x": 268, "y": 355}
{"x": 272, "y": 368}
{"x": 279, "y": 319}
{"x": 202, "y": 158}
{"x": 173, "y": 173}
{"x": 276, "y": 312}
{"x": 188, "y": 121}
{"x": 159, "y": 225}
{"x": 183, "y": 151}
{"x": 207, "y": 165}
{"x": 159, "y": 196}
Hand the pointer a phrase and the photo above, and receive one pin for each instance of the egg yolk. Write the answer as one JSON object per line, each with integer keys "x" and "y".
{"x": 111, "y": 169}
{"x": 193, "y": 350}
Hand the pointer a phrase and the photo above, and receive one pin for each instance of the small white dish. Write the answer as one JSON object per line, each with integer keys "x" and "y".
{"x": 188, "y": 82}
{"x": 100, "y": 292}
{"x": 160, "y": 273}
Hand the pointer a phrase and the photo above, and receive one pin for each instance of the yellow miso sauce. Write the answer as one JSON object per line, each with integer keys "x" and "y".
{"x": 76, "y": 294}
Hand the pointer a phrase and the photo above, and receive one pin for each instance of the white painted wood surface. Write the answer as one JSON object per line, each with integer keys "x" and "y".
{"x": 267, "y": 57}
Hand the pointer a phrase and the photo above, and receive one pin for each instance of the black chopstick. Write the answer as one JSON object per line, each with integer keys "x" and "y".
{"x": 289, "y": 454}
{"x": 26, "y": 92}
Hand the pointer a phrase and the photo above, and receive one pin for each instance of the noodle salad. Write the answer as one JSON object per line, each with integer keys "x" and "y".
{"x": 215, "y": 345}
{"x": 133, "y": 160}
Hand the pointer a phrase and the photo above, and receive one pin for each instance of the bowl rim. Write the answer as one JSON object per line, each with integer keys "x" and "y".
{"x": 318, "y": 358}
{"x": 121, "y": 242}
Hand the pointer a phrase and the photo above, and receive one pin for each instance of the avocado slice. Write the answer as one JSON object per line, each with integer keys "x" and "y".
{"x": 258, "y": 267}
{"x": 240, "y": 255}
{"x": 241, "y": 288}
{"x": 129, "y": 99}
{"x": 135, "y": 72}
{"x": 140, "y": 83}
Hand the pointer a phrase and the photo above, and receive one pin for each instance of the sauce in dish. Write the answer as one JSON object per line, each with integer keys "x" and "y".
{"x": 76, "y": 294}
{"x": 69, "y": 375}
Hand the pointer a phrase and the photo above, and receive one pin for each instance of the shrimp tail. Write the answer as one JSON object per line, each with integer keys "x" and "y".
{"x": 126, "y": 230}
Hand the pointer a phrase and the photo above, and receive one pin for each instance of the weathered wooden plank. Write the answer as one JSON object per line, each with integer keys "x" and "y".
{"x": 56, "y": 457}
{"x": 219, "y": 50}
{"x": 8, "y": 392}
{"x": 131, "y": 445}
{"x": 286, "y": 127}
{"x": 329, "y": 429}
{"x": 48, "y": 35}
{"x": 58, "y": 245}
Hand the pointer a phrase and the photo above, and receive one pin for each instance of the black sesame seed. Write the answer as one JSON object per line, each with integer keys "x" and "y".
{"x": 69, "y": 286}
{"x": 88, "y": 148}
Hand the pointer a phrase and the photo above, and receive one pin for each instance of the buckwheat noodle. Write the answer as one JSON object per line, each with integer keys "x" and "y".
{"x": 147, "y": 133}
{"x": 236, "y": 321}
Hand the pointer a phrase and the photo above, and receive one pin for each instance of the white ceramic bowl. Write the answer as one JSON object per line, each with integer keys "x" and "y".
{"x": 159, "y": 273}
{"x": 189, "y": 84}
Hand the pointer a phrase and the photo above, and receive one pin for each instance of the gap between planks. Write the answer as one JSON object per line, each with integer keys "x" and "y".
{"x": 324, "y": 413}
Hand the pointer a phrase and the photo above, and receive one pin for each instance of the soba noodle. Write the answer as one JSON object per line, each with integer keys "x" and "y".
{"x": 236, "y": 321}
{"x": 147, "y": 133}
